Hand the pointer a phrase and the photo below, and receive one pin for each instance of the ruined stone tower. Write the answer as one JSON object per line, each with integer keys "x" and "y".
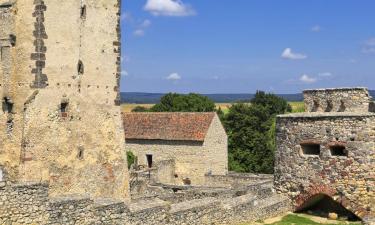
{"x": 328, "y": 152}
{"x": 60, "y": 121}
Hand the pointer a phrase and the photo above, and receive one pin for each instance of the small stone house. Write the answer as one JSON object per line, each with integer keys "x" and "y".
{"x": 325, "y": 157}
{"x": 196, "y": 142}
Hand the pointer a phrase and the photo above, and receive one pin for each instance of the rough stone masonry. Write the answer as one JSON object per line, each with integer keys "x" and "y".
{"x": 60, "y": 121}
{"x": 329, "y": 150}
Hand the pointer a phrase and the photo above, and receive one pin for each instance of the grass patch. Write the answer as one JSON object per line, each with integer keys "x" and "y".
{"x": 302, "y": 219}
{"x": 297, "y": 107}
{"x": 305, "y": 220}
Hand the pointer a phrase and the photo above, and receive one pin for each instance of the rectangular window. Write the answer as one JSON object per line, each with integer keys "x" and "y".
{"x": 149, "y": 160}
{"x": 310, "y": 149}
{"x": 338, "y": 150}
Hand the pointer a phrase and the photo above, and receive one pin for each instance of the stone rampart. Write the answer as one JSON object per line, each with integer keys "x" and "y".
{"x": 327, "y": 153}
{"x": 29, "y": 204}
{"x": 338, "y": 100}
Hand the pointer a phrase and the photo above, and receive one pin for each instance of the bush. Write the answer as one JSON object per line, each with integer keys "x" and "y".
{"x": 131, "y": 158}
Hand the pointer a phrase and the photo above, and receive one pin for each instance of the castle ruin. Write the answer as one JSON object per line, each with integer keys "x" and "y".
{"x": 329, "y": 151}
{"x": 60, "y": 121}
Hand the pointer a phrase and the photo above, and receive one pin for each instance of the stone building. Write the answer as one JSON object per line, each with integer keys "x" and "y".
{"x": 328, "y": 152}
{"x": 195, "y": 142}
{"x": 60, "y": 69}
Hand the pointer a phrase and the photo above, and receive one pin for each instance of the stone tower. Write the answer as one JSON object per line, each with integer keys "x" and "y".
{"x": 328, "y": 152}
{"x": 60, "y": 121}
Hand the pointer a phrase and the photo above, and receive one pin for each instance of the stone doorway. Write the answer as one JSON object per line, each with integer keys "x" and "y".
{"x": 322, "y": 205}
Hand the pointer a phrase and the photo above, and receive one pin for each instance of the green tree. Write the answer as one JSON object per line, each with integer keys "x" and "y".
{"x": 131, "y": 158}
{"x": 174, "y": 102}
{"x": 140, "y": 109}
{"x": 251, "y": 133}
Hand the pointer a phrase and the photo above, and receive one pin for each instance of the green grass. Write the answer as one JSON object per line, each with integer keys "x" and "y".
{"x": 294, "y": 219}
{"x": 297, "y": 107}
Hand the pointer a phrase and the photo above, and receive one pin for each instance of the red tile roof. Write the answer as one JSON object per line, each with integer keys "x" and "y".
{"x": 167, "y": 126}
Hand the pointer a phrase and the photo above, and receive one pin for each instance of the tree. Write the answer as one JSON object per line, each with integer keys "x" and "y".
{"x": 140, "y": 109}
{"x": 251, "y": 133}
{"x": 174, "y": 102}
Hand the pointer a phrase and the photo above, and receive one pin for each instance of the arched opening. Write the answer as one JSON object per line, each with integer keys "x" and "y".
{"x": 322, "y": 205}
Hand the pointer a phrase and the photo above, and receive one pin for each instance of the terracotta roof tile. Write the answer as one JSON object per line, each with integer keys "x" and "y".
{"x": 167, "y": 126}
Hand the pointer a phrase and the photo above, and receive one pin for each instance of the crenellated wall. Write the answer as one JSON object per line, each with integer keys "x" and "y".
{"x": 337, "y": 100}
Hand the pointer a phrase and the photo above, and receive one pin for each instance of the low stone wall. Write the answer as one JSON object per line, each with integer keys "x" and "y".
{"x": 235, "y": 179}
{"x": 29, "y": 204}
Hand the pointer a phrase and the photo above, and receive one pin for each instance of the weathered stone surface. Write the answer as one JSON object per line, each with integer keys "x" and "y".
{"x": 29, "y": 204}
{"x": 59, "y": 122}
{"x": 331, "y": 153}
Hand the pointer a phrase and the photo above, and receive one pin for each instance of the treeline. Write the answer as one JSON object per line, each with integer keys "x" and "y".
{"x": 250, "y": 126}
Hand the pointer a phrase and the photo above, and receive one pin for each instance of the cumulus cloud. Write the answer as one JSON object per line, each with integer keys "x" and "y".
{"x": 142, "y": 27}
{"x": 146, "y": 23}
{"x": 369, "y": 46}
{"x": 289, "y": 54}
{"x": 325, "y": 74}
{"x": 127, "y": 17}
{"x": 307, "y": 79}
{"x": 316, "y": 28}
{"x": 174, "y": 76}
{"x": 139, "y": 33}
{"x": 168, "y": 8}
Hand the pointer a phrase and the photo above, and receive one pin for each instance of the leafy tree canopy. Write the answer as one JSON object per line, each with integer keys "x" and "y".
{"x": 174, "y": 102}
{"x": 251, "y": 132}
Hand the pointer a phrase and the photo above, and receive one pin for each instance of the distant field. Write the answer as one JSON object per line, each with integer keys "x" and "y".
{"x": 130, "y": 107}
{"x": 296, "y": 106}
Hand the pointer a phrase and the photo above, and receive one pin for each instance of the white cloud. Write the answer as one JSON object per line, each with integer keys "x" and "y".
{"x": 168, "y": 8}
{"x": 316, "y": 28}
{"x": 124, "y": 73}
{"x": 125, "y": 58}
{"x": 127, "y": 17}
{"x": 325, "y": 74}
{"x": 139, "y": 33}
{"x": 174, "y": 76}
{"x": 288, "y": 54}
{"x": 307, "y": 79}
{"x": 146, "y": 23}
{"x": 369, "y": 46}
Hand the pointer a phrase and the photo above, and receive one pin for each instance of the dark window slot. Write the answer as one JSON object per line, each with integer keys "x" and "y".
{"x": 149, "y": 160}
{"x": 338, "y": 150}
{"x": 311, "y": 149}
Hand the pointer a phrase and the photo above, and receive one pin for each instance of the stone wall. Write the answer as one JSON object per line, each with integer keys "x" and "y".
{"x": 337, "y": 100}
{"x": 327, "y": 153}
{"x": 192, "y": 159}
{"x": 68, "y": 64}
{"x": 29, "y": 204}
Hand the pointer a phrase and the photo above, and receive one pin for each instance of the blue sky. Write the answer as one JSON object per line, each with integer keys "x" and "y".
{"x": 240, "y": 46}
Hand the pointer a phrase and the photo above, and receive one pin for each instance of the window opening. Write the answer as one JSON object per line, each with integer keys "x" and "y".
{"x": 338, "y": 150}
{"x": 310, "y": 149}
{"x": 149, "y": 160}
